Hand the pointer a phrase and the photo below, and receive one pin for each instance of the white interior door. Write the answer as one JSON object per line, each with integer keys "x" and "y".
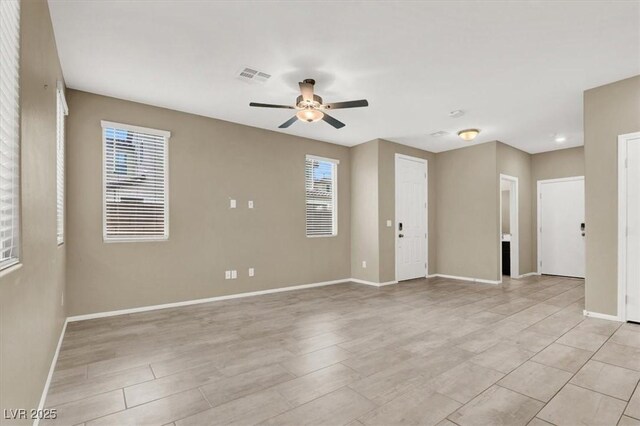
{"x": 633, "y": 230}
{"x": 561, "y": 237}
{"x": 411, "y": 218}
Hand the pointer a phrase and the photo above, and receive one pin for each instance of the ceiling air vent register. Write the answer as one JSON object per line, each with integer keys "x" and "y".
{"x": 251, "y": 75}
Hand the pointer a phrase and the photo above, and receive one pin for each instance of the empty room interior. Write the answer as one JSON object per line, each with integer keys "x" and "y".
{"x": 319, "y": 212}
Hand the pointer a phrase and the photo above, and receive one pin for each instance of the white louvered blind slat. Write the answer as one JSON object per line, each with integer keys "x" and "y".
{"x": 61, "y": 112}
{"x": 321, "y": 187}
{"x": 135, "y": 183}
{"x": 9, "y": 133}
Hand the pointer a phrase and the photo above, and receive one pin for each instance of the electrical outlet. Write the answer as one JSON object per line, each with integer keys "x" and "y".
{"x": 227, "y": 275}
{"x": 232, "y": 204}
{"x": 364, "y": 263}
{"x": 250, "y": 204}
{"x": 252, "y": 272}
{"x": 388, "y": 224}
{"x": 234, "y": 274}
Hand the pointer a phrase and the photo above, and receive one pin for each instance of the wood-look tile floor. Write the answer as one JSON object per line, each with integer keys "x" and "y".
{"x": 426, "y": 352}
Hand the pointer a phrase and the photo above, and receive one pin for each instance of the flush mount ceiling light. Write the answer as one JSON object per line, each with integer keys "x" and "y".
{"x": 468, "y": 134}
{"x": 560, "y": 138}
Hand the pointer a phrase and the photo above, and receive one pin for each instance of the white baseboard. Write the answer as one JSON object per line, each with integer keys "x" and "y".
{"x": 45, "y": 391}
{"x": 206, "y": 300}
{"x": 602, "y": 316}
{"x": 371, "y": 283}
{"x": 528, "y": 274}
{"x": 477, "y": 280}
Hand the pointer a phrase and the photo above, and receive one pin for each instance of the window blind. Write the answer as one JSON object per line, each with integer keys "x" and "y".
{"x": 136, "y": 203}
{"x": 9, "y": 132}
{"x": 61, "y": 112}
{"x": 321, "y": 196}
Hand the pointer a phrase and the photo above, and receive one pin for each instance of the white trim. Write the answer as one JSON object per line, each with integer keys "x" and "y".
{"x": 601, "y": 316}
{"x": 199, "y": 301}
{"x": 60, "y": 92}
{"x": 110, "y": 124}
{"x": 622, "y": 222}
{"x": 45, "y": 391}
{"x": 528, "y": 274}
{"x": 514, "y": 228}
{"x": 432, "y": 276}
{"x": 371, "y": 283}
{"x": 539, "y": 213}
{"x": 395, "y": 211}
{"x": 477, "y": 280}
{"x": 318, "y": 158}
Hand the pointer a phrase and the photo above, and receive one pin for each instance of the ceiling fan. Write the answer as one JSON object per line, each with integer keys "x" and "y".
{"x": 310, "y": 107}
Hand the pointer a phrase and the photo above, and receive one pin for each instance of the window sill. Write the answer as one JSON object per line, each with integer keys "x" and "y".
{"x": 322, "y": 236}
{"x": 9, "y": 269}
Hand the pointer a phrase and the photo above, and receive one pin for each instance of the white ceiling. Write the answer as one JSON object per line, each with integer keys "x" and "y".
{"x": 517, "y": 69}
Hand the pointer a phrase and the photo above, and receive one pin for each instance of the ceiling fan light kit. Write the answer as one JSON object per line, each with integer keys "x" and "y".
{"x": 311, "y": 107}
{"x": 468, "y": 134}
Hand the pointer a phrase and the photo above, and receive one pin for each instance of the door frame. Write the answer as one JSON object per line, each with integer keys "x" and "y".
{"x": 513, "y": 226}
{"x": 426, "y": 210}
{"x": 622, "y": 222}
{"x": 539, "y": 215}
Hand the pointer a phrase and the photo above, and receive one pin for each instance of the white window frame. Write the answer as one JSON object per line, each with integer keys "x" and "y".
{"x": 62, "y": 110}
{"x": 162, "y": 133}
{"x": 11, "y": 69}
{"x": 334, "y": 187}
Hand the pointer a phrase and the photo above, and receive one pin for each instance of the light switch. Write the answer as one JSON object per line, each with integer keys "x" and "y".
{"x": 251, "y": 272}
{"x": 389, "y": 224}
{"x": 250, "y": 204}
{"x": 364, "y": 263}
{"x": 232, "y": 204}
{"x": 234, "y": 274}
{"x": 227, "y": 275}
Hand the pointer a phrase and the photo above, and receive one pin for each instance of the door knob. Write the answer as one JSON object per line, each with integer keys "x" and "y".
{"x": 401, "y": 236}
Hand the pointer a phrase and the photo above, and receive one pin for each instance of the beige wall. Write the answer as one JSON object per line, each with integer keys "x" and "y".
{"x": 364, "y": 212}
{"x": 551, "y": 165}
{"x": 513, "y": 162}
{"x": 609, "y": 111}
{"x": 31, "y": 315}
{"x": 210, "y": 161}
{"x": 387, "y": 205}
{"x": 506, "y": 212}
{"x": 467, "y": 212}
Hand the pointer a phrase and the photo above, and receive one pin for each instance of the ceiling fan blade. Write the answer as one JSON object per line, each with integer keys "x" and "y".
{"x": 347, "y": 104}
{"x": 256, "y": 104}
{"x": 307, "y": 91}
{"x": 288, "y": 123}
{"x": 335, "y": 123}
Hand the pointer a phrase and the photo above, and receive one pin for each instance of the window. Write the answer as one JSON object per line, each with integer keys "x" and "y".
{"x": 61, "y": 112}
{"x": 135, "y": 186}
{"x": 9, "y": 133}
{"x": 321, "y": 184}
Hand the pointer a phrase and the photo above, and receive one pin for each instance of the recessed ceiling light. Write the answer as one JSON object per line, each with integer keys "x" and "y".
{"x": 457, "y": 113}
{"x": 468, "y": 134}
{"x": 439, "y": 133}
{"x": 560, "y": 138}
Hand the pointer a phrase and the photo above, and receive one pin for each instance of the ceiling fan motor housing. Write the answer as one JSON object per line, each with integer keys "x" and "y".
{"x": 315, "y": 103}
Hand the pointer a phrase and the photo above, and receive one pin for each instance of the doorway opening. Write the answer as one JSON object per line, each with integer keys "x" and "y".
{"x": 411, "y": 217}
{"x": 509, "y": 236}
